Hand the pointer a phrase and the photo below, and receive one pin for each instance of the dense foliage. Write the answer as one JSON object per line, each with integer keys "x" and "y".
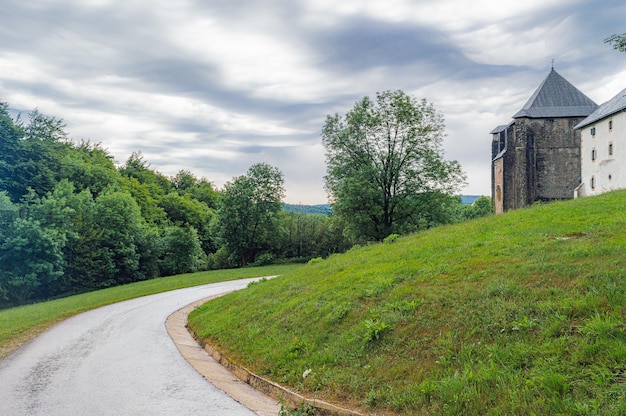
{"x": 385, "y": 167}
{"x": 72, "y": 221}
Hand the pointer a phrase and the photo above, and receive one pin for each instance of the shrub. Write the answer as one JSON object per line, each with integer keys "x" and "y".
{"x": 391, "y": 238}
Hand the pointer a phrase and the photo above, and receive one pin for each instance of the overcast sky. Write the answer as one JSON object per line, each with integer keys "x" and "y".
{"x": 214, "y": 86}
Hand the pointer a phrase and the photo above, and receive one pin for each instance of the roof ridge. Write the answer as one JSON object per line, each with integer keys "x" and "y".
{"x": 612, "y": 106}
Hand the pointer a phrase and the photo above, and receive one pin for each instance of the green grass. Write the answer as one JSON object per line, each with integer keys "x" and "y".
{"x": 20, "y": 324}
{"x": 522, "y": 313}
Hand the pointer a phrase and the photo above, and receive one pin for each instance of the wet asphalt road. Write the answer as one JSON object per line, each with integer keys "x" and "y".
{"x": 115, "y": 360}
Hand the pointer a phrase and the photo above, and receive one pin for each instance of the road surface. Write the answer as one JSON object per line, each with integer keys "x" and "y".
{"x": 115, "y": 360}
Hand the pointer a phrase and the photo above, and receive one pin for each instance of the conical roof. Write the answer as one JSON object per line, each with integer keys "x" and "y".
{"x": 556, "y": 97}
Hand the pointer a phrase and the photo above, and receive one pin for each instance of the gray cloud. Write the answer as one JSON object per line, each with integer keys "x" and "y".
{"x": 215, "y": 86}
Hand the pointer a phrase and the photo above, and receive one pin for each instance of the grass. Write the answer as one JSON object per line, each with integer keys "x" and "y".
{"x": 20, "y": 324}
{"x": 522, "y": 313}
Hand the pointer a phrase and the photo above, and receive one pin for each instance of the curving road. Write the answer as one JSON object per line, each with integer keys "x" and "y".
{"x": 115, "y": 360}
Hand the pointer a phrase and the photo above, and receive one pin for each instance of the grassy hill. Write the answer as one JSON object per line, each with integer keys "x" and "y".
{"x": 520, "y": 313}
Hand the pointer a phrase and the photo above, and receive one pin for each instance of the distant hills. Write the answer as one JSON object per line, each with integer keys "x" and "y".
{"x": 469, "y": 199}
{"x": 308, "y": 209}
{"x": 326, "y": 209}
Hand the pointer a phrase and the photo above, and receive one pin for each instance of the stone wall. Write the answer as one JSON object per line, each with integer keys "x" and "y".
{"x": 541, "y": 162}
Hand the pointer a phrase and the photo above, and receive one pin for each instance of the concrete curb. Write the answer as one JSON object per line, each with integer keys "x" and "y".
{"x": 211, "y": 370}
{"x": 256, "y": 393}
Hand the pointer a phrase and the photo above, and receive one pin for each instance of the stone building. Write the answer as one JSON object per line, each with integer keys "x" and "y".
{"x": 603, "y": 148}
{"x": 536, "y": 157}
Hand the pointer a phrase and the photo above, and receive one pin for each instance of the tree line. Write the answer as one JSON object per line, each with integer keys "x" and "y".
{"x": 72, "y": 221}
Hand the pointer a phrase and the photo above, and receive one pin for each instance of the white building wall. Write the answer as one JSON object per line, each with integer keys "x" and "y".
{"x": 607, "y": 171}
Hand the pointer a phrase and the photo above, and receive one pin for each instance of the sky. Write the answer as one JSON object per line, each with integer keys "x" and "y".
{"x": 215, "y": 86}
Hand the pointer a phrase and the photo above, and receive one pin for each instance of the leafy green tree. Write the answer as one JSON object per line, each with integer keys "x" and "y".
{"x": 39, "y": 165}
{"x": 31, "y": 256}
{"x": 90, "y": 166}
{"x": 8, "y": 214}
{"x": 119, "y": 221}
{"x": 150, "y": 209}
{"x": 186, "y": 211}
{"x": 481, "y": 207}
{"x": 184, "y": 181}
{"x": 136, "y": 167}
{"x": 303, "y": 235}
{"x": 86, "y": 263}
{"x": 182, "y": 251}
{"x": 29, "y": 155}
{"x": 10, "y": 148}
{"x": 249, "y": 209}
{"x": 385, "y": 164}
{"x": 186, "y": 184}
{"x": 618, "y": 42}
{"x": 31, "y": 260}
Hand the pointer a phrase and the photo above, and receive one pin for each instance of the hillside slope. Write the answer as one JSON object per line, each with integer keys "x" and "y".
{"x": 516, "y": 314}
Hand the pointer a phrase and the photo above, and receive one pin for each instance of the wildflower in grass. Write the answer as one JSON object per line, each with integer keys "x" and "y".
{"x": 306, "y": 373}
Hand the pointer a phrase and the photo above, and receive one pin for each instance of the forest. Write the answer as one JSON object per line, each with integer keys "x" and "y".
{"x": 71, "y": 220}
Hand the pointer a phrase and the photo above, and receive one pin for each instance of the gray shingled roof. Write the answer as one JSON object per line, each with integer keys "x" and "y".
{"x": 614, "y": 105}
{"x": 499, "y": 129}
{"x": 556, "y": 97}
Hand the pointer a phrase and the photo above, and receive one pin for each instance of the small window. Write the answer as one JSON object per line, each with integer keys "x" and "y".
{"x": 593, "y": 182}
{"x": 593, "y": 131}
{"x": 610, "y": 149}
{"x": 593, "y": 154}
{"x": 610, "y": 177}
{"x": 610, "y": 125}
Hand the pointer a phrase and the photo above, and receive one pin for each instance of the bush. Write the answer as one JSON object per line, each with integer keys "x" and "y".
{"x": 315, "y": 260}
{"x": 263, "y": 259}
{"x": 391, "y": 238}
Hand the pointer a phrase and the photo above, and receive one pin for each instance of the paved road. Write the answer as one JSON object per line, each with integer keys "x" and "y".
{"x": 115, "y": 360}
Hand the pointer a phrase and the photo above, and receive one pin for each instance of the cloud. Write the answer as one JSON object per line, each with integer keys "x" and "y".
{"x": 215, "y": 86}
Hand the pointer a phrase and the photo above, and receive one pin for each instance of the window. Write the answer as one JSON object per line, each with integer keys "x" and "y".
{"x": 593, "y": 131}
{"x": 610, "y": 125}
{"x": 593, "y": 182}
{"x": 610, "y": 177}
{"x": 610, "y": 149}
{"x": 593, "y": 154}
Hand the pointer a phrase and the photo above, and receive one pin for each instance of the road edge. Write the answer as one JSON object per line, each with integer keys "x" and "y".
{"x": 210, "y": 369}
{"x": 251, "y": 390}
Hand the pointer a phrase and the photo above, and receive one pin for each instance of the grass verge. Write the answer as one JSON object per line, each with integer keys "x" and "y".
{"x": 21, "y": 324}
{"x": 522, "y": 313}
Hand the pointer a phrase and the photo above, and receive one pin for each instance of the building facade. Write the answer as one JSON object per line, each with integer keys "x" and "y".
{"x": 603, "y": 148}
{"x": 536, "y": 157}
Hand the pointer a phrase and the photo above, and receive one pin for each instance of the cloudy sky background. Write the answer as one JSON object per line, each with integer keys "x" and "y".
{"x": 215, "y": 86}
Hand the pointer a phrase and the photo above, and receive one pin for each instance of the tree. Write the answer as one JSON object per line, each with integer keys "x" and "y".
{"x": 248, "y": 214}
{"x": 618, "y": 42}
{"x": 137, "y": 167}
{"x": 182, "y": 252}
{"x": 10, "y": 149}
{"x": 39, "y": 166}
{"x": 31, "y": 257}
{"x": 90, "y": 166}
{"x": 182, "y": 210}
{"x": 118, "y": 218}
{"x": 481, "y": 207}
{"x": 385, "y": 166}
